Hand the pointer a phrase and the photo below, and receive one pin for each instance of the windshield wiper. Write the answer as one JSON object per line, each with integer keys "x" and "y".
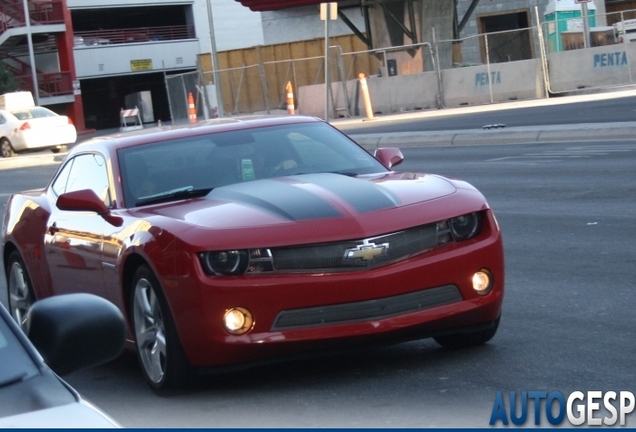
{"x": 344, "y": 173}
{"x": 13, "y": 379}
{"x": 173, "y": 194}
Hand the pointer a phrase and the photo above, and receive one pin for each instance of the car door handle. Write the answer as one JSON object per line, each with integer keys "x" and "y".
{"x": 53, "y": 229}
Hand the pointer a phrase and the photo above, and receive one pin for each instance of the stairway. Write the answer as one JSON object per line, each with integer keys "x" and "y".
{"x": 41, "y": 13}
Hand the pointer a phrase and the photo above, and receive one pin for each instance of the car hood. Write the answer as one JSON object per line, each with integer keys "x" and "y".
{"x": 80, "y": 414}
{"x": 307, "y": 197}
{"x": 319, "y": 207}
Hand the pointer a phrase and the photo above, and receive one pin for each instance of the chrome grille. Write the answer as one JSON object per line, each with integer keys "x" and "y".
{"x": 331, "y": 256}
{"x": 367, "y": 310}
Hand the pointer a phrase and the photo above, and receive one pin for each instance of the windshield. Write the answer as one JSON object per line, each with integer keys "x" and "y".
{"x": 33, "y": 113}
{"x": 15, "y": 362}
{"x": 181, "y": 168}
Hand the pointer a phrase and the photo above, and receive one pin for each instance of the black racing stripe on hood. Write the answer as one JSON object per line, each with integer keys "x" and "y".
{"x": 363, "y": 195}
{"x": 282, "y": 199}
{"x": 295, "y": 203}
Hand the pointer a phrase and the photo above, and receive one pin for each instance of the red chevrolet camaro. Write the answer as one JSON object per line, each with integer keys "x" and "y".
{"x": 237, "y": 241}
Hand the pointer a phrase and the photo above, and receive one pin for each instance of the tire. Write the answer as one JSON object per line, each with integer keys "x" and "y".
{"x": 56, "y": 150}
{"x": 466, "y": 340}
{"x": 6, "y": 150}
{"x": 19, "y": 288}
{"x": 161, "y": 356}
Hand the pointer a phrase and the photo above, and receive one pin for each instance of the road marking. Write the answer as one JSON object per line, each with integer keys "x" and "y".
{"x": 569, "y": 153}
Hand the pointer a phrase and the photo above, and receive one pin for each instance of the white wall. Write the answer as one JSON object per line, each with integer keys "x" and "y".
{"x": 461, "y": 86}
{"x": 303, "y": 23}
{"x": 109, "y": 60}
{"x": 610, "y": 65}
{"x": 235, "y": 26}
{"x": 86, "y": 4}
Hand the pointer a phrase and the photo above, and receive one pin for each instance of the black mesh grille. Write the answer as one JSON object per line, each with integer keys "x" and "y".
{"x": 331, "y": 256}
{"x": 323, "y": 256}
{"x": 369, "y": 309}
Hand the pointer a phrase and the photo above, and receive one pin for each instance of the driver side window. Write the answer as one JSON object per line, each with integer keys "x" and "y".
{"x": 87, "y": 171}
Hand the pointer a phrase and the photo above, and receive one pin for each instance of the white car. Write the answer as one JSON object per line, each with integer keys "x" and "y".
{"x": 71, "y": 332}
{"x": 34, "y": 128}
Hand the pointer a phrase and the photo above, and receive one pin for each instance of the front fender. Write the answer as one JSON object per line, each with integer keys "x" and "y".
{"x": 24, "y": 225}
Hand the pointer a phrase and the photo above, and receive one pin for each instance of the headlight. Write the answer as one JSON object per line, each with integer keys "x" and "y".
{"x": 466, "y": 226}
{"x": 226, "y": 262}
{"x": 237, "y": 262}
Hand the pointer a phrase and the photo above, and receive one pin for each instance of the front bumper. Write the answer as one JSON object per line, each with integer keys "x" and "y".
{"x": 426, "y": 295}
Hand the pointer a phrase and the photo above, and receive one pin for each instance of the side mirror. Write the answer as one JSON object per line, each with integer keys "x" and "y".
{"x": 87, "y": 200}
{"x": 389, "y": 156}
{"x": 76, "y": 331}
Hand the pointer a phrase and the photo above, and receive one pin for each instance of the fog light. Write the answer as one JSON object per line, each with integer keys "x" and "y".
{"x": 238, "y": 321}
{"x": 482, "y": 282}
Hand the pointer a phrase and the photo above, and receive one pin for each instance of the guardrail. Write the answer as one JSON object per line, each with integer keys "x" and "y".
{"x": 49, "y": 84}
{"x": 131, "y": 35}
{"x": 12, "y": 13}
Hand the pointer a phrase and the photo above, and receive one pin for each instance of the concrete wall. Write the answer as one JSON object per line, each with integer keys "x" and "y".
{"x": 570, "y": 71}
{"x": 108, "y": 60}
{"x": 595, "y": 67}
{"x": 509, "y": 81}
{"x": 235, "y": 26}
{"x": 311, "y": 100}
{"x": 303, "y": 23}
{"x": 403, "y": 92}
{"x": 438, "y": 16}
{"x": 460, "y": 86}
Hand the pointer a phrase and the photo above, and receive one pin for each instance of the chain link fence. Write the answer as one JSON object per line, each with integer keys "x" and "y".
{"x": 555, "y": 45}
{"x": 261, "y": 88}
{"x": 488, "y": 48}
{"x": 590, "y": 52}
{"x": 179, "y": 87}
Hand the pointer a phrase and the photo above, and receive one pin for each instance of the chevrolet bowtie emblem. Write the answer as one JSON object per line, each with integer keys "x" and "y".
{"x": 367, "y": 251}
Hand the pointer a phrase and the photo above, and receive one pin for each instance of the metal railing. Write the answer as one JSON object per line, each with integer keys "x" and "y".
{"x": 12, "y": 13}
{"x": 132, "y": 35}
{"x": 49, "y": 83}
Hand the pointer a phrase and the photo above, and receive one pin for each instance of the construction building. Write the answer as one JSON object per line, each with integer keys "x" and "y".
{"x": 94, "y": 57}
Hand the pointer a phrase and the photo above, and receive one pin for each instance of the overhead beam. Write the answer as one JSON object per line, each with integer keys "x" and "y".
{"x": 469, "y": 12}
{"x": 269, "y": 5}
{"x": 411, "y": 33}
{"x": 354, "y": 29}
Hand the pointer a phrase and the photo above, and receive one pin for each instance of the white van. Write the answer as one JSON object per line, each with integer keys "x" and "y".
{"x": 625, "y": 31}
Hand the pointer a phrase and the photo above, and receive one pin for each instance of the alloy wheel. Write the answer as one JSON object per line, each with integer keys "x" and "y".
{"x": 149, "y": 330}
{"x": 20, "y": 297}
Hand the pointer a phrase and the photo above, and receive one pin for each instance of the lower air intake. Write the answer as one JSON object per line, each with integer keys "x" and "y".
{"x": 368, "y": 309}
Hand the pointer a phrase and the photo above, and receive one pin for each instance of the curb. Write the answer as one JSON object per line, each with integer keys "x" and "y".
{"x": 23, "y": 161}
{"x": 544, "y": 134}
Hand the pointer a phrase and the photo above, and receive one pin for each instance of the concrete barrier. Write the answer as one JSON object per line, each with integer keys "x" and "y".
{"x": 610, "y": 65}
{"x": 394, "y": 94}
{"x": 461, "y": 86}
{"x": 508, "y": 81}
{"x": 311, "y": 100}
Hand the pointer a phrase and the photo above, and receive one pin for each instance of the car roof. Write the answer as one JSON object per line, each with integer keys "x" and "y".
{"x": 164, "y": 133}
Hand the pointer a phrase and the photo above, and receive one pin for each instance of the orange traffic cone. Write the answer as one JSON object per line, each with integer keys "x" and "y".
{"x": 290, "y": 98}
{"x": 364, "y": 89}
{"x": 192, "y": 111}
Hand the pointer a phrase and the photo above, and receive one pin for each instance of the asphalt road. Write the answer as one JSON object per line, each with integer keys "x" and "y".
{"x": 566, "y": 212}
